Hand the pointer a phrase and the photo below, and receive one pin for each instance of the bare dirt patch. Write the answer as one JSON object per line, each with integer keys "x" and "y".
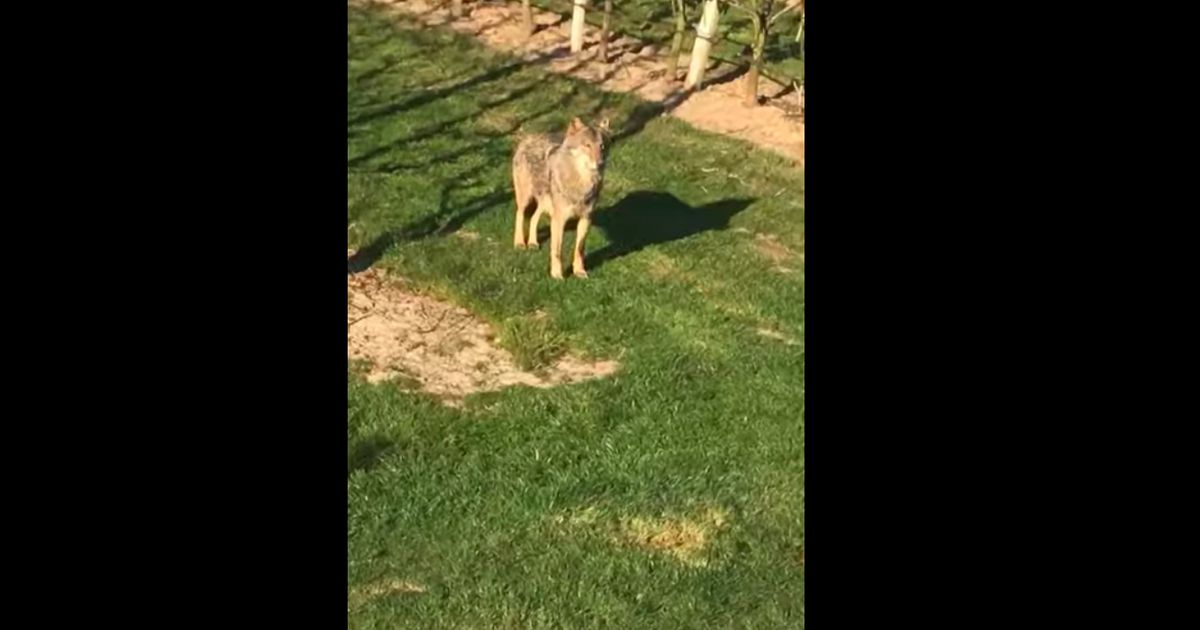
{"x": 632, "y": 67}
{"x": 448, "y": 351}
{"x": 720, "y": 109}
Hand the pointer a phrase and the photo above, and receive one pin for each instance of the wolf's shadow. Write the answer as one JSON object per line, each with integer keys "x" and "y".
{"x": 647, "y": 218}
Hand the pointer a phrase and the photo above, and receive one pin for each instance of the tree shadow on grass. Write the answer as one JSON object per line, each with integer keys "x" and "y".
{"x": 447, "y": 220}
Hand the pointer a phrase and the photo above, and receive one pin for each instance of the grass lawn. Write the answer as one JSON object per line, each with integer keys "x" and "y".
{"x": 667, "y": 496}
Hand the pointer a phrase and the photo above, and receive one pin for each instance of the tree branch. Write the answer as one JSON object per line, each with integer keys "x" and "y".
{"x": 783, "y": 11}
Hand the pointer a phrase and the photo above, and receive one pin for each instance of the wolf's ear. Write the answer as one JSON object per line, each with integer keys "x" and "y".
{"x": 576, "y": 125}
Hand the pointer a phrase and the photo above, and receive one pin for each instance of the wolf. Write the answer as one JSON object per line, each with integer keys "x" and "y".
{"x": 561, "y": 175}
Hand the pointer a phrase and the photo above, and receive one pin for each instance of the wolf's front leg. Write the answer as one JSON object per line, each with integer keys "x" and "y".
{"x": 581, "y": 230}
{"x": 558, "y": 220}
{"x": 519, "y": 229}
{"x": 523, "y": 197}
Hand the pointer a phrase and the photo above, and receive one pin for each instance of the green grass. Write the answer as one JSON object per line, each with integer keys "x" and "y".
{"x": 533, "y": 341}
{"x": 516, "y": 510}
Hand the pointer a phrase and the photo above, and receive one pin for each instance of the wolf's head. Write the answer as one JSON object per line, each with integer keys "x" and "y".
{"x": 585, "y": 141}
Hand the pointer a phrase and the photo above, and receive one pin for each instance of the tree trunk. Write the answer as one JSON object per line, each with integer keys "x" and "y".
{"x": 750, "y": 85}
{"x": 577, "y": 25}
{"x": 706, "y": 30}
{"x": 679, "y": 9}
{"x": 604, "y": 32}
{"x": 528, "y": 11}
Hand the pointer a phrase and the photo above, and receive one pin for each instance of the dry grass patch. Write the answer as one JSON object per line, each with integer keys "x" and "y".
{"x": 684, "y": 539}
{"x": 383, "y": 588}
